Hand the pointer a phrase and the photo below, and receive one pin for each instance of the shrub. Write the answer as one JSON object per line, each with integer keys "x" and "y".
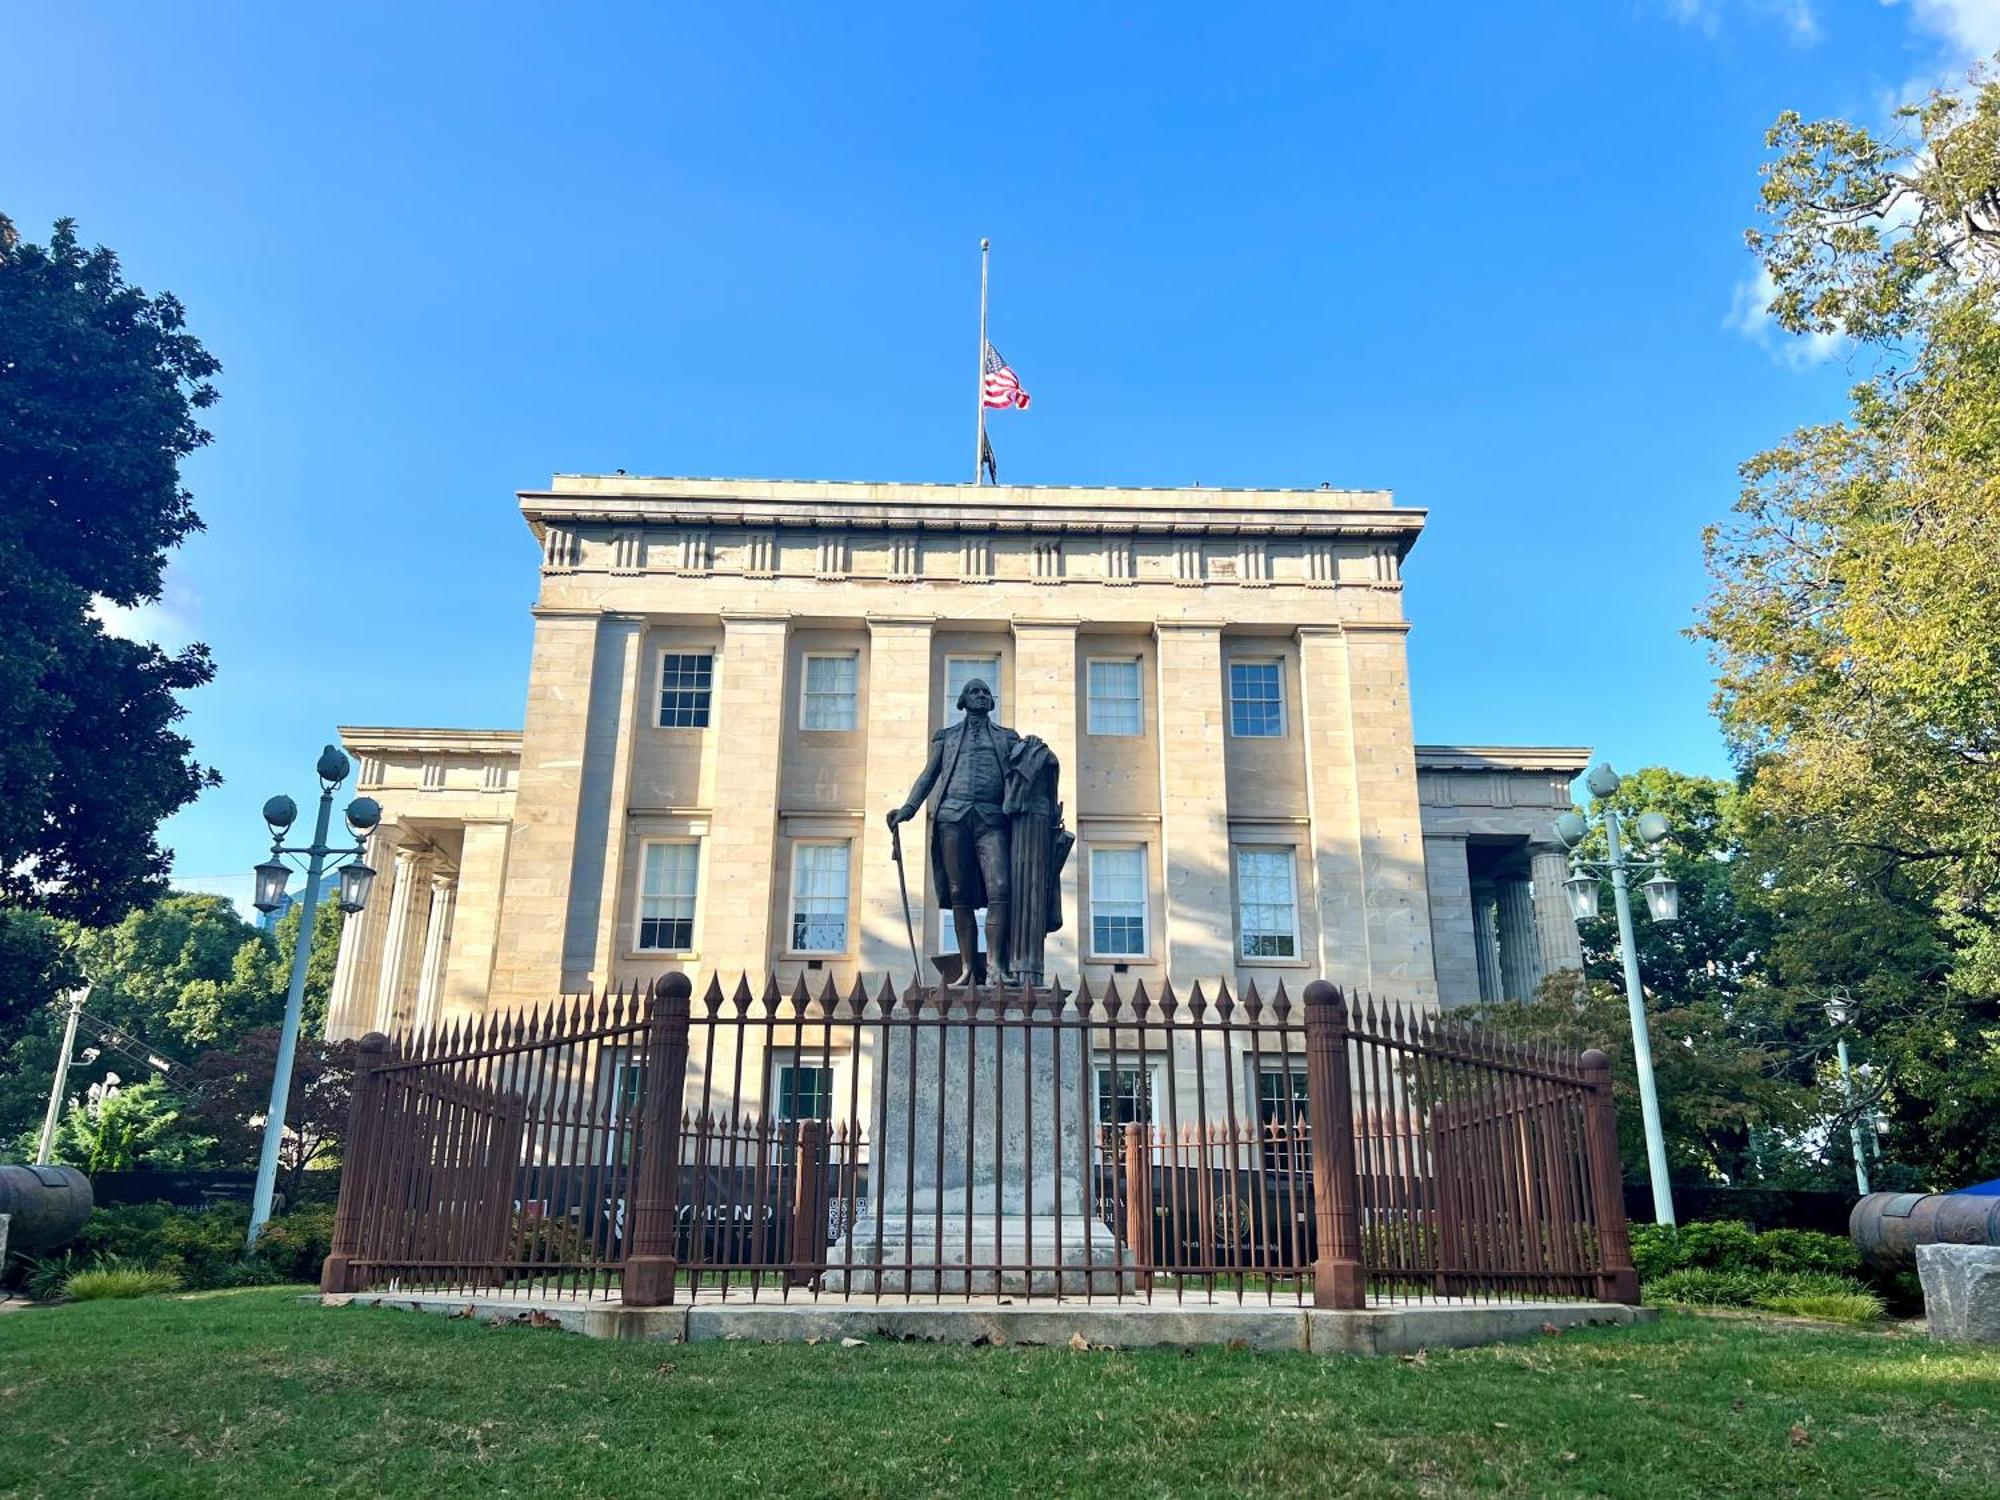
{"x": 1813, "y": 1294}
{"x": 1727, "y": 1245}
{"x": 1832, "y": 1307}
{"x": 45, "y": 1278}
{"x": 111, "y": 1280}
{"x": 295, "y": 1245}
{"x": 203, "y": 1247}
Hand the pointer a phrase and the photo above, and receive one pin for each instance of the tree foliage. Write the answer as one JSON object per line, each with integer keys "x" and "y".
{"x": 233, "y": 1090}
{"x": 100, "y": 402}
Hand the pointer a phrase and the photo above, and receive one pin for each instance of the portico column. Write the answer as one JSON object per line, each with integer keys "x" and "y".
{"x": 1486, "y": 940}
{"x": 1520, "y": 963}
{"x": 1045, "y": 705}
{"x": 899, "y": 723}
{"x": 437, "y": 945}
{"x": 397, "y": 940}
{"x": 1555, "y": 928}
{"x": 349, "y": 1003}
{"x": 1453, "y": 934}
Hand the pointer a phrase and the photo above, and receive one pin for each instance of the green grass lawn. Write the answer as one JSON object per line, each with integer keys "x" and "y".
{"x": 252, "y": 1393}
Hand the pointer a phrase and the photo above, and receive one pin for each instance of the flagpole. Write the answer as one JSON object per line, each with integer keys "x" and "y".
{"x": 979, "y": 385}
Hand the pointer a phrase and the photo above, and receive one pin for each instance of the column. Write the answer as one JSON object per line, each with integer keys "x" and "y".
{"x": 899, "y": 724}
{"x": 400, "y": 937}
{"x": 1453, "y": 936}
{"x": 1486, "y": 940}
{"x": 1194, "y": 805}
{"x": 1326, "y": 722}
{"x": 350, "y": 1004}
{"x": 1520, "y": 963}
{"x": 1555, "y": 928}
{"x": 743, "y": 838}
{"x": 1045, "y": 705}
{"x": 594, "y": 943}
{"x": 475, "y": 919}
{"x": 437, "y": 944}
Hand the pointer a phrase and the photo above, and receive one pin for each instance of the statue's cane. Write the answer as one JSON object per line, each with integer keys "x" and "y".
{"x": 903, "y": 883}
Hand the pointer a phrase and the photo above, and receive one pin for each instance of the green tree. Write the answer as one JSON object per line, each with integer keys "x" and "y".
{"x": 120, "y": 1127}
{"x": 232, "y": 1089}
{"x": 98, "y": 408}
{"x": 1854, "y": 618}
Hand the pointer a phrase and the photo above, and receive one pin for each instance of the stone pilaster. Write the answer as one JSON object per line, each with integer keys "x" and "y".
{"x": 1326, "y": 721}
{"x": 1452, "y": 932}
{"x": 593, "y": 942}
{"x": 743, "y": 877}
{"x": 402, "y": 936}
{"x": 1486, "y": 940}
{"x": 1194, "y": 805}
{"x": 350, "y": 1006}
{"x": 1520, "y": 962}
{"x": 437, "y": 945}
{"x": 899, "y": 724}
{"x": 1045, "y": 704}
{"x": 475, "y": 924}
{"x": 1385, "y": 794}
{"x": 1555, "y": 929}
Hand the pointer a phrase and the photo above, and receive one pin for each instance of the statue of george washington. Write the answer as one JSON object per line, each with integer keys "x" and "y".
{"x": 996, "y": 838}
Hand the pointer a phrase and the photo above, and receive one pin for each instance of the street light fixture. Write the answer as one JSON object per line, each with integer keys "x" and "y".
{"x": 363, "y": 813}
{"x": 1839, "y": 1011}
{"x": 1663, "y": 903}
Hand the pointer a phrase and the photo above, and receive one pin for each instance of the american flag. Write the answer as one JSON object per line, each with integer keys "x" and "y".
{"x": 1002, "y": 387}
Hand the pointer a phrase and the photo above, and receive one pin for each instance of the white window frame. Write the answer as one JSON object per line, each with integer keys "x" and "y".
{"x": 1090, "y": 665}
{"x": 992, "y": 659}
{"x": 660, "y": 688}
{"x": 1289, "y": 855}
{"x": 1277, "y": 663}
{"x": 1145, "y": 949}
{"x": 846, "y": 845}
{"x": 948, "y": 933}
{"x": 693, "y": 898}
{"x": 1153, "y": 1065}
{"x": 853, "y": 695}
{"x": 834, "y": 1064}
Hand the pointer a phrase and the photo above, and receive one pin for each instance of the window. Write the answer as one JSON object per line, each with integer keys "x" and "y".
{"x": 1267, "y": 914}
{"x": 819, "y": 897}
{"x": 948, "y": 930}
{"x": 958, "y": 671}
{"x": 805, "y": 1092}
{"x": 1127, "y": 1098}
{"x": 1256, "y": 699}
{"x": 666, "y": 895}
{"x": 1113, "y": 697}
{"x": 1118, "y": 902}
{"x": 1281, "y": 1105}
{"x": 687, "y": 682}
{"x": 622, "y": 1087}
{"x": 829, "y": 692}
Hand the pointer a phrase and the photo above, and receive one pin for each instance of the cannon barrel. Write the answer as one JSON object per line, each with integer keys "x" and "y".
{"x": 1887, "y": 1227}
{"x": 47, "y": 1206}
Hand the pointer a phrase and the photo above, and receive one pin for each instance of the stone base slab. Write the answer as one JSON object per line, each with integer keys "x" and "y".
{"x": 1961, "y": 1291}
{"x": 997, "y": 1321}
{"x": 1013, "y": 1240}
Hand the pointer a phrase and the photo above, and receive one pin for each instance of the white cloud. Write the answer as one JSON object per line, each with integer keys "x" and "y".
{"x": 1750, "y": 315}
{"x": 168, "y": 622}
{"x": 1970, "y": 28}
{"x": 1798, "y": 17}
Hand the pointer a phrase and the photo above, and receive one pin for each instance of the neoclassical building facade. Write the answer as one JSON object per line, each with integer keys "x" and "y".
{"x": 732, "y": 680}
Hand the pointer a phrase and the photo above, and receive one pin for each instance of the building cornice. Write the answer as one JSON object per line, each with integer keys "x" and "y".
{"x": 1568, "y": 760}
{"x": 376, "y": 739}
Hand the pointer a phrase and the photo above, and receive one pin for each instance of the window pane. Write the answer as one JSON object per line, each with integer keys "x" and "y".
{"x": 1126, "y": 1101}
{"x": 829, "y": 692}
{"x": 1256, "y": 700}
{"x": 948, "y": 931}
{"x": 1118, "y": 902}
{"x": 804, "y": 1092}
{"x": 1114, "y": 697}
{"x": 1266, "y": 911}
{"x": 819, "y": 898}
{"x": 687, "y": 679}
{"x": 666, "y": 895}
{"x": 958, "y": 671}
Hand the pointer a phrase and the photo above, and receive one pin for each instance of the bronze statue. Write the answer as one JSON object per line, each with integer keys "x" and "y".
{"x": 996, "y": 838}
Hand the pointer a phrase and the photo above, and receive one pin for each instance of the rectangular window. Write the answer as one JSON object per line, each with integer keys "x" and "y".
{"x": 1256, "y": 699}
{"x": 958, "y": 671}
{"x": 804, "y": 1092}
{"x": 1114, "y": 697}
{"x": 1281, "y": 1105}
{"x": 948, "y": 931}
{"x": 829, "y": 692}
{"x": 687, "y": 683}
{"x": 819, "y": 897}
{"x": 1125, "y": 1096}
{"x": 666, "y": 895}
{"x": 624, "y": 1082}
{"x": 1267, "y": 912}
{"x": 1118, "y": 902}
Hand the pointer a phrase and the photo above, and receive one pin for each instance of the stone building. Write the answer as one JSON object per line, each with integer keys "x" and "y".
{"x": 732, "y": 680}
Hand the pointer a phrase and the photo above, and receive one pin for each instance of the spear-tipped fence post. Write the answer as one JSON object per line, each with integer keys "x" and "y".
{"x": 1617, "y": 1280}
{"x": 337, "y": 1273}
{"x": 648, "y": 1279}
{"x": 1338, "y": 1277}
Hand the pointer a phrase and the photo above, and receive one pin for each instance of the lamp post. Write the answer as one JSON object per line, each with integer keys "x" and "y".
{"x": 363, "y": 813}
{"x": 1663, "y": 902}
{"x": 1840, "y": 1010}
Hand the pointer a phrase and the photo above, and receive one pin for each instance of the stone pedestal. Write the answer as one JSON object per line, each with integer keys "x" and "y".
{"x": 1961, "y": 1291}
{"x": 980, "y": 1161}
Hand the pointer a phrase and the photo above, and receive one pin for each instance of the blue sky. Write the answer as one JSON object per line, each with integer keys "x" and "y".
{"x": 1487, "y": 256}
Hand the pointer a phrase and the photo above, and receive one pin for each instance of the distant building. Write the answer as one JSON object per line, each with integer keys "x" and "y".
{"x": 240, "y": 892}
{"x": 732, "y": 680}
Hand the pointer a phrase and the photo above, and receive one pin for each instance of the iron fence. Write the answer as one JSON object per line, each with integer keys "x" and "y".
{"x": 1117, "y": 1143}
